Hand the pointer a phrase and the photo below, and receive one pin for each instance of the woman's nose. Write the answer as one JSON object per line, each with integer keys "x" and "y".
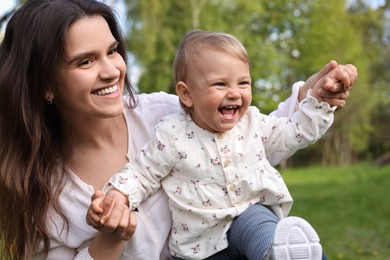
{"x": 109, "y": 70}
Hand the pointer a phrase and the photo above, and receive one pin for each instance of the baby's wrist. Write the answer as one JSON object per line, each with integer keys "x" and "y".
{"x": 314, "y": 94}
{"x": 303, "y": 92}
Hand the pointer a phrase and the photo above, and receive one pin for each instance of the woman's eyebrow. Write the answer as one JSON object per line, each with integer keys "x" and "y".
{"x": 82, "y": 55}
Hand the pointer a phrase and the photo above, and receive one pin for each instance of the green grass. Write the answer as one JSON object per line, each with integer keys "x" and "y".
{"x": 348, "y": 206}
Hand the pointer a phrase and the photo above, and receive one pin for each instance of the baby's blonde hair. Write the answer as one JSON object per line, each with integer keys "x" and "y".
{"x": 195, "y": 41}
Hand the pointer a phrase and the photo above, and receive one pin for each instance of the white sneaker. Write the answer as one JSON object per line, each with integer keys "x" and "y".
{"x": 296, "y": 239}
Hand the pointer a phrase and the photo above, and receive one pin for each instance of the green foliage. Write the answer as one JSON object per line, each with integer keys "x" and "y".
{"x": 287, "y": 42}
{"x": 375, "y": 28}
{"x": 152, "y": 42}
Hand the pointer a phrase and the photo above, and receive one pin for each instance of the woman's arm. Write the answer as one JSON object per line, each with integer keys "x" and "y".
{"x": 106, "y": 246}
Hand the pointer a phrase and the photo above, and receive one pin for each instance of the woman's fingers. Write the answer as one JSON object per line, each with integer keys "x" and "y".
{"x": 127, "y": 226}
{"x": 114, "y": 218}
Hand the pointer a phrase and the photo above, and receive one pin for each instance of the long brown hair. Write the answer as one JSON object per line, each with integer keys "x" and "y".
{"x": 33, "y": 151}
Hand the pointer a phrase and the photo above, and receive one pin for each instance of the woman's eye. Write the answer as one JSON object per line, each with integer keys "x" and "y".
{"x": 85, "y": 62}
{"x": 113, "y": 51}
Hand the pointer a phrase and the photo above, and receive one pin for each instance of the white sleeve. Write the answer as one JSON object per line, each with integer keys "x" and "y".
{"x": 83, "y": 255}
{"x": 64, "y": 252}
{"x": 142, "y": 177}
{"x": 285, "y": 109}
{"x": 307, "y": 125}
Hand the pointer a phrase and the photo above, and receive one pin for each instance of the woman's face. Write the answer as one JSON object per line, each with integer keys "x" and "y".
{"x": 91, "y": 76}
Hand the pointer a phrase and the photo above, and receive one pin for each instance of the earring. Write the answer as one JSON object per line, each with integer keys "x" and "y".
{"x": 49, "y": 101}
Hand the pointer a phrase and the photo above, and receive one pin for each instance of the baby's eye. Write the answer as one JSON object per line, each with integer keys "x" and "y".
{"x": 220, "y": 84}
{"x": 245, "y": 83}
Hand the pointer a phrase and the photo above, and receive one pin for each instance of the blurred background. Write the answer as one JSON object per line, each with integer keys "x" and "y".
{"x": 287, "y": 41}
{"x": 340, "y": 184}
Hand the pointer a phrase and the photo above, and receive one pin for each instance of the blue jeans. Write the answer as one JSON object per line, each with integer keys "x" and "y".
{"x": 250, "y": 235}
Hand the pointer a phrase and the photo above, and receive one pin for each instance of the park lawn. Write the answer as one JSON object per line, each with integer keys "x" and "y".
{"x": 348, "y": 206}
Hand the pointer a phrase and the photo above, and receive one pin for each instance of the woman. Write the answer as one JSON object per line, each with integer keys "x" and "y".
{"x": 65, "y": 129}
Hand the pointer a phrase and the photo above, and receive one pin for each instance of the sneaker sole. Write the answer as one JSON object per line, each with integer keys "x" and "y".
{"x": 296, "y": 239}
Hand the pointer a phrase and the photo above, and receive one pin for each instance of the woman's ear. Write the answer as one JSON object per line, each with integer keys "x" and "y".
{"x": 49, "y": 94}
{"x": 184, "y": 93}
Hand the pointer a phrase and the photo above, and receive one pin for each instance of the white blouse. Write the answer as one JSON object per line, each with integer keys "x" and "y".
{"x": 153, "y": 216}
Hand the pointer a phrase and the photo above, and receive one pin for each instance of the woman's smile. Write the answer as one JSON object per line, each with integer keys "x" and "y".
{"x": 106, "y": 91}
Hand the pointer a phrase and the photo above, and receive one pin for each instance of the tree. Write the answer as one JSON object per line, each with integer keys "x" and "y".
{"x": 332, "y": 34}
{"x": 156, "y": 28}
{"x": 287, "y": 41}
{"x": 375, "y": 27}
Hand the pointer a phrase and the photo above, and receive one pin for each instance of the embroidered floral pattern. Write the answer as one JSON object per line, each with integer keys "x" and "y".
{"x": 210, "y": 178}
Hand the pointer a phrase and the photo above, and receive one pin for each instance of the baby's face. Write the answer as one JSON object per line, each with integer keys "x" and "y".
{"x": 220, "y": 86}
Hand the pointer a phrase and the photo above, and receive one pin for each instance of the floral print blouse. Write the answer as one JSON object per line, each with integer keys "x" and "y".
{"x": 210, "y": 178}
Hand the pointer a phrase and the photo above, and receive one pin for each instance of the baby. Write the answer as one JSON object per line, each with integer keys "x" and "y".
{"x": 225, "y": 197}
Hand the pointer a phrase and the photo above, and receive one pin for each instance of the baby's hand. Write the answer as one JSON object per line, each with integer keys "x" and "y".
{"x": 334, "y": 87}
{"x": 95, "y": 210}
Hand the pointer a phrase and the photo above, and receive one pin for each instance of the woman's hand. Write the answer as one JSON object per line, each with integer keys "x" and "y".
{"x": 109, "y": 214}
{"x": 337, "y": 84}
{"x": 333, "y": 83}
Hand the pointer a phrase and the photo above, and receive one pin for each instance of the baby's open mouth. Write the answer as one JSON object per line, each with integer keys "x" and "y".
{"x": 228, "y": 111}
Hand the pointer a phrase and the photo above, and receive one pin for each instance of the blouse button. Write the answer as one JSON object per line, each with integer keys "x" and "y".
{"x": 227, "y": 163}
{"x": 233, "y": 187}
{"x": 220, "y": 136}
